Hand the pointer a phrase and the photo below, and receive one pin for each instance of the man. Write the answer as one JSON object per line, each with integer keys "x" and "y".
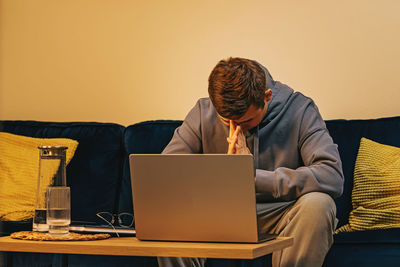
{"x": 298, "y": 168}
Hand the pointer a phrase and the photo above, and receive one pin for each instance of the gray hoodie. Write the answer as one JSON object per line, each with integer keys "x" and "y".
{"x": 294, "y": 153}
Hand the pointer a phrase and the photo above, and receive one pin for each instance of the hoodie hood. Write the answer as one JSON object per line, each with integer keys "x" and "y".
{"x": 280, "y": 96}
{"x": 269, "y": 80}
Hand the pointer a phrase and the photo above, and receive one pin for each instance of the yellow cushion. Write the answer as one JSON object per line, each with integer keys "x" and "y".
{"x": 19, "y": 169}
{"x": 376, "y": 190}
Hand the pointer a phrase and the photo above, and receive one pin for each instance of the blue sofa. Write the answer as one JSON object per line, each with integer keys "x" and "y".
{"x": 99, "y": 179}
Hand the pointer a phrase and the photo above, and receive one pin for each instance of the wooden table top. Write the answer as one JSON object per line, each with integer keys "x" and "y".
{"x": 131, "y": 246}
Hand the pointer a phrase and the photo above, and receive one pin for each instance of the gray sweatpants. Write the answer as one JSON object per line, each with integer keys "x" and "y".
{"x": 311, "y": 221}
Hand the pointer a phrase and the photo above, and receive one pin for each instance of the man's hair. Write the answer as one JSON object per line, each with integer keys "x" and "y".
{"x": 235, "y": 84}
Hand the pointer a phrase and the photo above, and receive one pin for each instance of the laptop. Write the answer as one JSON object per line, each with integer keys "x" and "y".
{"x": 195, "y": 197}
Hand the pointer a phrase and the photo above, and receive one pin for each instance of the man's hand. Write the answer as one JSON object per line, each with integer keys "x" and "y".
{"x": 236, "y": 140}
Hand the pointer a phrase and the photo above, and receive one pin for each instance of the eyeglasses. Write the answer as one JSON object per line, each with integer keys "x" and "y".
{"x": 124, "y": 220}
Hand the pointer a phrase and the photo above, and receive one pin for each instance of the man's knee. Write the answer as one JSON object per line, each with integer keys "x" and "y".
{"x": 317, "y": 206}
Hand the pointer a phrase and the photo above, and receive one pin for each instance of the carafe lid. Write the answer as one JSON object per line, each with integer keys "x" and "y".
{"x": 52, "y": 151}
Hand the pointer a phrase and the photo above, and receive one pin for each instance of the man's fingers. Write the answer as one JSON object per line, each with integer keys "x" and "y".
{"x": 231, "y": 146}
{"x": 232, "y": 139}
{"x": 237, "y": 131}
{"x": 241, "y": 139}
{"x": 236, "y": 140}
{"x": 231, "y": 128}
{"x": 241, "y": 150}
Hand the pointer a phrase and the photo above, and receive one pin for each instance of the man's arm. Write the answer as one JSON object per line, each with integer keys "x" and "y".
{"x": 322, "y": 170}
{"x": 187, "y": 137}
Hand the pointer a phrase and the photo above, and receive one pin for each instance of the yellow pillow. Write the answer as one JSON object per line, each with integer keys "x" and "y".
{"x": 19, "y": 169}
{"x": 376, "y": 189}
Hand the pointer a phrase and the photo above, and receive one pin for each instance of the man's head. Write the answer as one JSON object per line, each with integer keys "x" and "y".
{"x": 237, "y": 89}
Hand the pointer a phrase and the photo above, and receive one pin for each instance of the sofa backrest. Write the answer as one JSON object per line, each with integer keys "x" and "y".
{"x": 347, "y": 134}
{"x": 148, "y": 137}
{"x": 99, "y": 173}
{"x": 153, "y": 136}
{"x": 93, "y": 186}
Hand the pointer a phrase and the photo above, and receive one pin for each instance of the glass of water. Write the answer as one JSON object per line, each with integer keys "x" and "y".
{"x": 58, "y": 210}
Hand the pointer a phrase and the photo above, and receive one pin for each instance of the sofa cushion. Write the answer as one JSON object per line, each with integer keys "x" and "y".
{"x": 149, "y": 137}
{"x": 376, "y": 195}
{"x": 363, "y": 255}
{"x": 93, "y": 187}
{"x": 347, "y": 135}
{"x": 19, "y": 168}
{"x": 380, "y": 236}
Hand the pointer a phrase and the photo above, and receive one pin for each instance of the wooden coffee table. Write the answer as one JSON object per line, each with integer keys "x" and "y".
{"x": 131, "y": 246}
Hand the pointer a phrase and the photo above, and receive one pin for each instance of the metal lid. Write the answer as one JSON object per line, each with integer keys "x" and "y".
{"x": 52, "y": 151}
{"x": 53, "y": 147}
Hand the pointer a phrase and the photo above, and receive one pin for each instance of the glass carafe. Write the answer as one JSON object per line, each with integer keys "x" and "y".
{"x": 52, "y": 172}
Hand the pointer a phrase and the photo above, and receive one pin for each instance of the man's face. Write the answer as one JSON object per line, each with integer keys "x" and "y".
{"x": 253, "y": 115}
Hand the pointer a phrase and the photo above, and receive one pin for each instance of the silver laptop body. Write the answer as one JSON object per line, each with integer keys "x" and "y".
{"x": 194, "y": 197}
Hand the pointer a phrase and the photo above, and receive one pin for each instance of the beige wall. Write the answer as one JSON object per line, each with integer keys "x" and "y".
{"x": 129, "y": 61}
